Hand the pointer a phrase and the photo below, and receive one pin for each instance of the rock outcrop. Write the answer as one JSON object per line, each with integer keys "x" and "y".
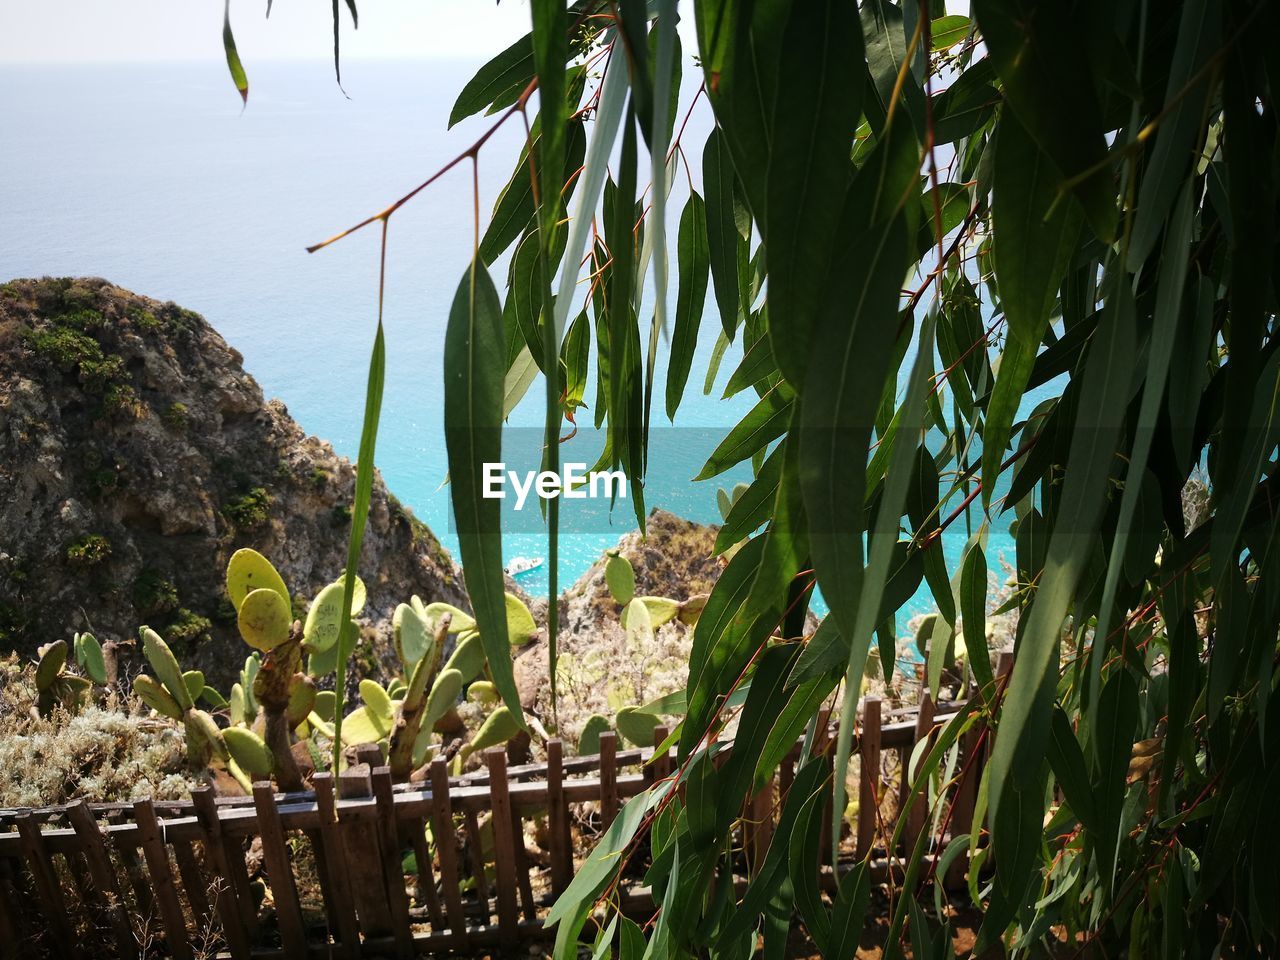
{"x": 136, "y": 455}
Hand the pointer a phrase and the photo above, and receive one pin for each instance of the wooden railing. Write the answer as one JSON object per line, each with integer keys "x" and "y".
{"x": 362, "y": 866}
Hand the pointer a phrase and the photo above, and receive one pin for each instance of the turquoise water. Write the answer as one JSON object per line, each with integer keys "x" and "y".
{"x": 152, "y": 177}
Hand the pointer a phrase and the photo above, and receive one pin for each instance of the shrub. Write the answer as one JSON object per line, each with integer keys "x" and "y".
{"x": 186, "y": 626}
{"x": 102, "y": 755}
{"x": 89, "y": 550}
{"x": 99, "y": 375}
{"x": 65, "y": 349}
{"x": 143, "y": 319}
{"x": 103, "y": 480}
{"x": 250, "y": 510}
{"x": 177, "y": 416}
{"x": 154, "y": 593}
{"x": 121, "y": 398}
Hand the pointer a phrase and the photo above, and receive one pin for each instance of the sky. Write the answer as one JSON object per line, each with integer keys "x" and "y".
{"x": 133, "y": 31}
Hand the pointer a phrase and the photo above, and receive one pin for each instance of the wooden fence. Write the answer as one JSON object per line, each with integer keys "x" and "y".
{"x": 360, "y": 866}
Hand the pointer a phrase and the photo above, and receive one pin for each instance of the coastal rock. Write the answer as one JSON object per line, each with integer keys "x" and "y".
{"x": 136, "y": 455}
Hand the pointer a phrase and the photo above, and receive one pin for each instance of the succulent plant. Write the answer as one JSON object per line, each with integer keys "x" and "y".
{"x": 636, "y": 725}
{"x": 54, "y": 685}
{"x": 589, "y": 739}
{"x": 265, "y": 619}
{"x": 499, "y": 727}
{"x": 415, "y": 706}
{"x": 88, "y": 653}
{"x": 619, "y": 577}
{"x": 173, "y": 693}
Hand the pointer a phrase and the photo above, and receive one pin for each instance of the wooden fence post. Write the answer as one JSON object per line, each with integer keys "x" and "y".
{"x": 193, "y": 882}
{"x": 962, "y": 807}
{"x": 868, "y": 774}
{"x": 608, "y": 778}
{"x": 363, "y": 862}
{"x": 558, "y": 819}
{"x": 447, "y": 850}
{"x": 52, "y": 903}
{"x": 392, "y": 862}
{"x": 661, "y": 758}
{"x": 917, "y": 813}
{"x": 275, "y": 855}
{"x": 10, "y": 929}
{"x": 104, "y": 875}
{"x": 348, "y": 932}
{"x": 504, "y": 852}
{"x": 235, "y": 904}
{"x": 166, "y": 893}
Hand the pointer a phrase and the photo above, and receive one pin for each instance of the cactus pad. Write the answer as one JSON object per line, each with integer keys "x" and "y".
{"x": 499, "y": 727}
{"x": 264, "y": 619}
{"x": 155, "y": 696}
{"x": 88, "y": 653}
{"x": 468, "y": 657}
{"x": 661, "y": 610}
{"x": 620, "y": 577}
{"x": 324, "y": 619}
{"x": 249, "y": 570}
{"x": 302, "y": 699}
{"x": 377, "y": 700}
{"x": 460, "y": 621}
{"x": 520, "y": 626}
{"x": 589, "y": 739}
{"x": 249, "y": 751}
{"x": 444, "y": 694}
{"x": 53, "y": 657}
{"x": 482, "y": 691}
{"x": 413, "y": 636}
{"x": 165, "y": 664}
{"x": 636, "y": 726}
{"x": 362, "y": 726}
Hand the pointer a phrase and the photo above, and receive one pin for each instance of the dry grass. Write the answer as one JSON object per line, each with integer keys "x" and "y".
{"x": 106, "y": 752}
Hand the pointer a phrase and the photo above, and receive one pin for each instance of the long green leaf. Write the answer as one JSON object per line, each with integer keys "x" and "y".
{"x": 819, "y": 96}
{"x": 1016, "y": 760}
{"x": 1028, "y": 270}
{"x": 722, "y": 231}
{"x": 473, "y": 394}
{"x": 694, "y": 260}
{"x": 1173, "y": 277}
{"x": 763, "y": 424}
{"x": 359, "y": 518}
{"x": 234, "y": 65}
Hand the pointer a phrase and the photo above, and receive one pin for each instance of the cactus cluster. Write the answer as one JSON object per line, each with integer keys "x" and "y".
{"x": 641, "y": 616}
{"x": 277, "y": 702}
{"x": 173, "y": 693}
{"x": 405, "y": 717}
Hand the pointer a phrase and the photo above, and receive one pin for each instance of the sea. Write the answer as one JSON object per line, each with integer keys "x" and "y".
{"x": 156, "y": 178}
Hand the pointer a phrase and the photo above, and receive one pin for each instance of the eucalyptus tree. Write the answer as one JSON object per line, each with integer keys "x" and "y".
{"x": 914, "y": 223}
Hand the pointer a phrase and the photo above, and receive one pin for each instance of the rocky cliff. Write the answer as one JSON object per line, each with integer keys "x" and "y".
{"x": 136, "y": 455}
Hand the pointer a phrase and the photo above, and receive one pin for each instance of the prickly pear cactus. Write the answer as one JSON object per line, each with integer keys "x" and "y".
{"x": 620, "y": 577}
{"x": 636, "y": 726}
{"x": 589, "y": 739}
{"x": 499, "y": 727}
{"x": 54, "y": 685}
{"x": 88, "y": 653}
{"x": 173, "y": 693}
{"x": 264, "y": 616}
